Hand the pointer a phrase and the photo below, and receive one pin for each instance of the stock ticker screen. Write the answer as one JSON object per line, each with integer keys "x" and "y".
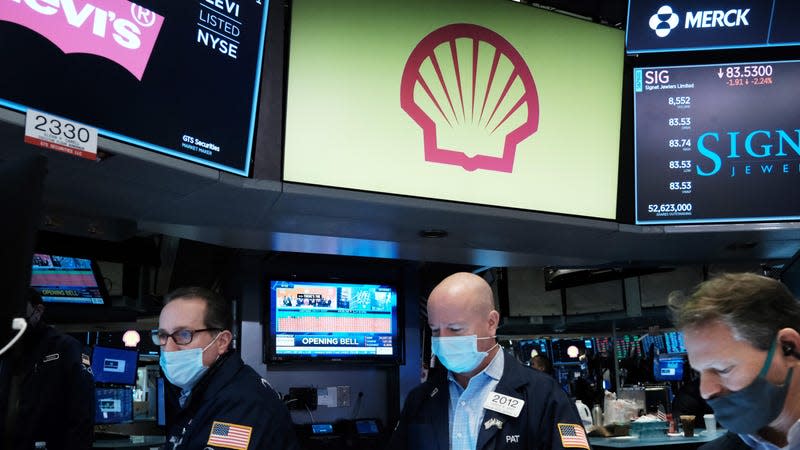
{"x": 717, "y": 143}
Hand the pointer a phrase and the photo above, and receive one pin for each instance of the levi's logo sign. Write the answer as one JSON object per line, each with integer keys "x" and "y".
{"x": 119, "y": 30}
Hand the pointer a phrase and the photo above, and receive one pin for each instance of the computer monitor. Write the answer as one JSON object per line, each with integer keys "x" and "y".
{"x": 113, "y": 405}
{"x": 568, "y": 351}
{"x": 114, "y": 365}
{"x": 674, "y": 341}
{"x": 668, "y": 367}
{"x": 367, "y": 427}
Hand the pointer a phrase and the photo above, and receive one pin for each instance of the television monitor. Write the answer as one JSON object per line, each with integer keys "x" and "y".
{"x": 668, "y": 367}
{"x": 113, "y": 405}
{"x": 177, "y": 77}
{"x": 67, "y": 279}
{"x": 707, "y": 134}
{"x": 603, "y": 344}
{"x": 452, "y": 121}
{"x": 528, "y": 348}
{"x": 320, "y": 320}
{"x": 674, "y": 342}
{"x": 651, "y": 342}
{"x": 627, "y": 346}
{"x": 568, "y": 351}
{"x": 114, "y": 365}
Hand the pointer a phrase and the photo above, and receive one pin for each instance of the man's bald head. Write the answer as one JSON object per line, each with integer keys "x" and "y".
{"x": 466, "y": 290}
{"x": 463, "y": 305}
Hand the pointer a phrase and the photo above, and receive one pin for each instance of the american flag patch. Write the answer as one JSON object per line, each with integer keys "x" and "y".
{"x": 573, "y": 436}
{"x": 230, "y": 435}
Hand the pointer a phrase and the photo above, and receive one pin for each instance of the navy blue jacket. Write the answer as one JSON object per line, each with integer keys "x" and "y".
{"x": 424, "y": 421}
{"x": 728, "y": 441}
{"x": 234, "y": 395}
{"x": 56, "y": 392}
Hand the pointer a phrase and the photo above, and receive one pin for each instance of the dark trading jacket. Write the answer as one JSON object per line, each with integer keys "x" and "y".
{"x": 232, "y": 393}
{"x": 728, "y": 441}
{"x": 424, "y": 421}
{"x": 56, "y": 392}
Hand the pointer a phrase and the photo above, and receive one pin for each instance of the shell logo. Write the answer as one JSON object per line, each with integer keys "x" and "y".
{"x": 472, "y": 94}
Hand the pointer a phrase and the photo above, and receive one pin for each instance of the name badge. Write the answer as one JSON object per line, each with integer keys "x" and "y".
{"x": 504, "y": 404}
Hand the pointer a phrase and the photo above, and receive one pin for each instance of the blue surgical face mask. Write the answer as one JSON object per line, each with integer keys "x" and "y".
{"x": 184, "y": 368}
{"x": 459, "y": 354}
{"x": 752, "y": 408}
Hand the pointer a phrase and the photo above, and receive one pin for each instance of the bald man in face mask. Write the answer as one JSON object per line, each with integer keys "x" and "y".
{"x": 486, "y": 399}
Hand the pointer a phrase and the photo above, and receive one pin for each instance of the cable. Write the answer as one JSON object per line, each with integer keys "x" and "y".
{"x": 19, "y": 323}
{"x": 309, "y": 413}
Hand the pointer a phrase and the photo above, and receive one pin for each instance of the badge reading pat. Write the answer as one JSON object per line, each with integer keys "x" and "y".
{"x": 572, "y": 436}
{"x": 230, "y": 435}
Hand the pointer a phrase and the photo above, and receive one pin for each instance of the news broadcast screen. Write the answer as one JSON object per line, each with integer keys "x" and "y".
{"x": 176, "y": 77}
{"x": 63, "y": 279}
{"x": 322, "y": 320}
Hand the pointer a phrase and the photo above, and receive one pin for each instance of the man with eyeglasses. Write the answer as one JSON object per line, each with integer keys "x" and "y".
{"x": 214, "y": 400}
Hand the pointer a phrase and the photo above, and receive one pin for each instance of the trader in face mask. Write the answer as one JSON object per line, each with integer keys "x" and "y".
{"x": 213, "y": 400}
{"x": 486, "y": 399}
{"x": 741, "y": 335}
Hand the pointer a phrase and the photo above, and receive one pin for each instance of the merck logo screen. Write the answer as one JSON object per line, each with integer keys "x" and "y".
{"x": 120, "y": 31}
{"x": 473, "y": 96}
{"x": 678, "y": 25}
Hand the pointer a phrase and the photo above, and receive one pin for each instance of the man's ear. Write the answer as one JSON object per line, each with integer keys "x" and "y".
{"x": 494, "y": 320}
{"x": 224, "y": 341}
{"x": 789, "y": 340}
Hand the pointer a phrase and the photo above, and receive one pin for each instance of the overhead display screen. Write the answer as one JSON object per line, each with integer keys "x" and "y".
{"x": 717, "y": 143}
{"x": 679, "y": 25}
{"x": 333, "y": 321}
{"x": 493, "y": 103}
{"x": 64, "y": 279}
{"x": 176, "y": 77}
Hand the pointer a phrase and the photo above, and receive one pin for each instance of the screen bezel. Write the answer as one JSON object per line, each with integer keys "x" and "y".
{"x": 98, "y": 277}
{"x": 271, "y": 357}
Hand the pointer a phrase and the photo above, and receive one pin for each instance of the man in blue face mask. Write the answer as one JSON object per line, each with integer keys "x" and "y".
{"x": 213, "y": 399}
{"x": 486, "y": 399}
{"x": 741, "y": 334}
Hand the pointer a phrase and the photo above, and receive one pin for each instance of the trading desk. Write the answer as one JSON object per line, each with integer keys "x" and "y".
{"x": 666, "y": 442}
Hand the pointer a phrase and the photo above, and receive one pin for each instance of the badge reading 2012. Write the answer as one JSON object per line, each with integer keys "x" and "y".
{"x": 504, "y": 404}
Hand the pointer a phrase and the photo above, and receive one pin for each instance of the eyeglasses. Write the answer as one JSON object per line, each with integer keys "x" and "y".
{"x": 180, "y": 337}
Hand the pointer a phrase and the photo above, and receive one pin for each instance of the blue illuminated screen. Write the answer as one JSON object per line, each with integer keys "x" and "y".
{"x": 328, "y": 320}
{"x": 668, "y": 368}
{"x": 114, "y": 365}
{"x": 113, "y": 405}
{"x": 674, "y": 340}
